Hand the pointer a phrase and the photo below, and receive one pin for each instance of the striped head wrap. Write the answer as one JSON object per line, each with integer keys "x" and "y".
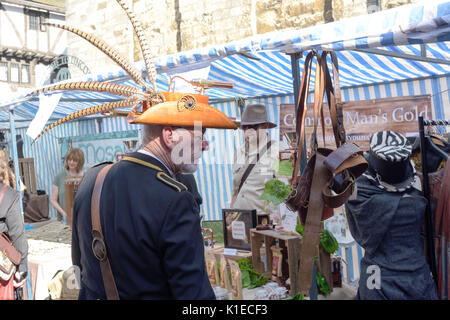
{"x": 390, "y": 146}
{"x": 389, "y": 157}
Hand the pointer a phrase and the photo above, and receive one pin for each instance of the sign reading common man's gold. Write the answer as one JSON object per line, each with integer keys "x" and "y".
{"x": 363, "y": 118}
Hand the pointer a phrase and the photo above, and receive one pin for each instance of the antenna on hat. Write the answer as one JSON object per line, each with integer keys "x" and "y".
{"x": 145, "y": 48}
{"x": 141, "y": 98}
{"x": 203, "y": 84}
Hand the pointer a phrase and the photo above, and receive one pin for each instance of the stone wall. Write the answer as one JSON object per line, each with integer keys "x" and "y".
{"x": 180, "y": 25}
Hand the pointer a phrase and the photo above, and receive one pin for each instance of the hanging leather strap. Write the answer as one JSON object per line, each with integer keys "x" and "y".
{"x": 311, "y": 237}
{"x": 301, "y": 115}
{"x": 333, "y": 93}
{"x": 98, "y": 243}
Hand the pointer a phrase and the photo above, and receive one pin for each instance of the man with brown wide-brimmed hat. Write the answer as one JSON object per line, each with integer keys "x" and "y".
{"x": 254, "y": 162}
{"x": 150, "y": 222}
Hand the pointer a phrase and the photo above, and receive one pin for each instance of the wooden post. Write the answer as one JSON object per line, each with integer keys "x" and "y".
{"x": 256, "y": 242}
{"x": 293, "y": 247}
{"x": 26, "y": 169}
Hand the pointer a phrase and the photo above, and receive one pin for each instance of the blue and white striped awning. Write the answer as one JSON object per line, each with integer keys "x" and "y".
{"x": 402, "y": 30}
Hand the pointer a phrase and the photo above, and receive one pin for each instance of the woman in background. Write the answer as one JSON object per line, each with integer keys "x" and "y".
{"x": 9, "y": 174}
{"x": 73, "y": 166}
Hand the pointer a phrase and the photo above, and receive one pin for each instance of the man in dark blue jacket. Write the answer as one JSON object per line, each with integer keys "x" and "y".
{"x": 150, "y": 221}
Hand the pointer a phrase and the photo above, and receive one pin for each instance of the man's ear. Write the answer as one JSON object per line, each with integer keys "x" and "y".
{"x": 169, "y": 137}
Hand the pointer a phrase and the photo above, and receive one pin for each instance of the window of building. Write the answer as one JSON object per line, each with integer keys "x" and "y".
{"x": 14, "y": 72}
{"x": 373, "y": 6}
{"x": 42, "y": 27}
{"x": 4, "y": 71}
{"x": 25, "y": 68}
{"x": 33, "y": 19}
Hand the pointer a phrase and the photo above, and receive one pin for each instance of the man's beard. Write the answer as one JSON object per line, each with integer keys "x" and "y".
{"x": 185, "y": 156}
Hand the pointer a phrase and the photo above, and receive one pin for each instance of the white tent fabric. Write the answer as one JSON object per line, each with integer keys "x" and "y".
{"x": 269, "y": 75}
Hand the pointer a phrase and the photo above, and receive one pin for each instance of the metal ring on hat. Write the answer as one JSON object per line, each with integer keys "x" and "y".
{"x": 155, "y": 98}
{"x": 189, "y": 102}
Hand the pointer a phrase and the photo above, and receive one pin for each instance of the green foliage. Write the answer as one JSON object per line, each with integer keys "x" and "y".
{"x": 285, "y": 168}
{"x": 298, "y": 296}
{"x": 275, "y": 191}
{"x": 322, "y": 284}
{"x": 217, "y": 228}
{"x": 299, "y": 228}
{"x": 328, "y": 241}
{"x": 250, "y": 278}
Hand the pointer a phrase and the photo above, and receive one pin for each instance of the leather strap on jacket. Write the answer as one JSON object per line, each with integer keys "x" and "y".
{"x": 247, "y": 172}
{"x": 98, "y": 243}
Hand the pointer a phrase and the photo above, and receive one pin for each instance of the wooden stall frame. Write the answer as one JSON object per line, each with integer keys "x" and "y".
{"x": 267, "y": 237}
{"x": 28, "y": 174}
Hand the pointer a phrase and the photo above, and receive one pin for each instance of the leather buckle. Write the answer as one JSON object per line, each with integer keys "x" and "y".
{"x": 294, "y": 193}
{"x": 98, "y": 247}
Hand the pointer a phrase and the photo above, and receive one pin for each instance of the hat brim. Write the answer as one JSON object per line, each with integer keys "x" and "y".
{"x": 169, "y": 113}
{"x": 252, "y": 123}
{"x": 391, "y": 187}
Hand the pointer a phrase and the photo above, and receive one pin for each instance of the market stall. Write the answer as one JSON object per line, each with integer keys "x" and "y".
{"x": 413, "y": 61}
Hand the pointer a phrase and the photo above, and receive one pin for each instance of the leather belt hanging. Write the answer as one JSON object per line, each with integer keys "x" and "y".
{"x": 98, "y": 243}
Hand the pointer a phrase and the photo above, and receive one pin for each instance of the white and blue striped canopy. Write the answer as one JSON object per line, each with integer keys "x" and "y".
{"x": 401, "y": 31}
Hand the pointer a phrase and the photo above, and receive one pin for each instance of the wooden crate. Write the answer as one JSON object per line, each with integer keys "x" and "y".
{"x": 28, "y": 175}
{"x": 267, "y": 237}
{"x": 218, "y": 251}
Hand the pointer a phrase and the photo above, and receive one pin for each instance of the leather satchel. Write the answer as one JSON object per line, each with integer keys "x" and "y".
{"x": 344, "y": 164}
{"x": 329, "y": 177}
{"x": 298, "y": 200}
{"x": 9, "y": 256}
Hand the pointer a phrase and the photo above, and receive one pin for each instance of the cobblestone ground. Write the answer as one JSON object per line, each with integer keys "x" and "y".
{"x": 56, "y": 231}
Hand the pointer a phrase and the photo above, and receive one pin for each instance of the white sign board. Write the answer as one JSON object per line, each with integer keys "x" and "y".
{"x": 238, "y": 230}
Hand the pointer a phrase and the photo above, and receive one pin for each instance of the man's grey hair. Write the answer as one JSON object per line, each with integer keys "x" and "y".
{"x": 150, "y": 132}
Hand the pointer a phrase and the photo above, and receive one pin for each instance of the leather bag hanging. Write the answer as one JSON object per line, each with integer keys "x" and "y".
{"x": 9, "y": 259}
{"x": 344, "y": 164}
{"x": 328, "y": 178}
{"x": 298, "y": 200}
